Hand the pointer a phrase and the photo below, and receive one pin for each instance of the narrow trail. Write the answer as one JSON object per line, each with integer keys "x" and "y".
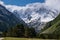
{"x": 1, "y": 38}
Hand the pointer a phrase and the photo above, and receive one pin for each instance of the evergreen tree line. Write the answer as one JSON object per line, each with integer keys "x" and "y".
{"x": 20, "y": 31}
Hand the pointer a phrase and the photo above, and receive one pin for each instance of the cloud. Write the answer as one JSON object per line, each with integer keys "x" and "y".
{"x": 53, "y": 4}
{"x": 1, "y": 2}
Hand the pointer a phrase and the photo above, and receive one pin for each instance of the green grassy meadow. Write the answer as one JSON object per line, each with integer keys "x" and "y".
{"x": 11, "y": 38}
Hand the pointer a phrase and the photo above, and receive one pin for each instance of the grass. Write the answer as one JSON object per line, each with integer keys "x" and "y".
{"x": 52, "y": 29}
{"x": 11, "y": 38}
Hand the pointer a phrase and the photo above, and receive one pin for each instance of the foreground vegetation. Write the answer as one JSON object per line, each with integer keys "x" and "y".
{"x": 20, "y": 31}
{"x": 50, "y": 31}
{"x": 11, "y": 38}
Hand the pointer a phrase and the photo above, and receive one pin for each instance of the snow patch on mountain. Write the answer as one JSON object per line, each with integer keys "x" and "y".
{"x": 34, "y": 11}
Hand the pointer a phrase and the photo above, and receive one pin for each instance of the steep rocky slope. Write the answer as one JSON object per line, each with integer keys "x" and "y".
{"x": 8, "y": 19}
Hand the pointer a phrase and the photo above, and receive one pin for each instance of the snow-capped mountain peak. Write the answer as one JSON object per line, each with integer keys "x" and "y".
{"x": 34, "y": 14}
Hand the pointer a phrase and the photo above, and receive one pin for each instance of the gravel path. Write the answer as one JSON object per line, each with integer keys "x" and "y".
{"x": 1, "y": 38}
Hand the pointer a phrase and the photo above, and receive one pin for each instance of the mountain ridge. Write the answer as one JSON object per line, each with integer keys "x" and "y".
{"x": 8, "y": 19}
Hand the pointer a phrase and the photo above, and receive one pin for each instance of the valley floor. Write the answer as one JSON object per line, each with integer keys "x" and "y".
{"x": 1, "y": 38}
{"x": 11, "y": 38}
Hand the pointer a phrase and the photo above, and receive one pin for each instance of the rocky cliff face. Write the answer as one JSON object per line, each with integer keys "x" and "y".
{"x": 8, "y": 19}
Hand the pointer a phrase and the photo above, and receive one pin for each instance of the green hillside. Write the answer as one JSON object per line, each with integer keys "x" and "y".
{"x": 49, "y": 24}
{"x": 52, "y": 29}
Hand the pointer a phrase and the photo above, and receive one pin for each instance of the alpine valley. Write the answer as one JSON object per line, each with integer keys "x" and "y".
{"x": 32, "y": 21}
